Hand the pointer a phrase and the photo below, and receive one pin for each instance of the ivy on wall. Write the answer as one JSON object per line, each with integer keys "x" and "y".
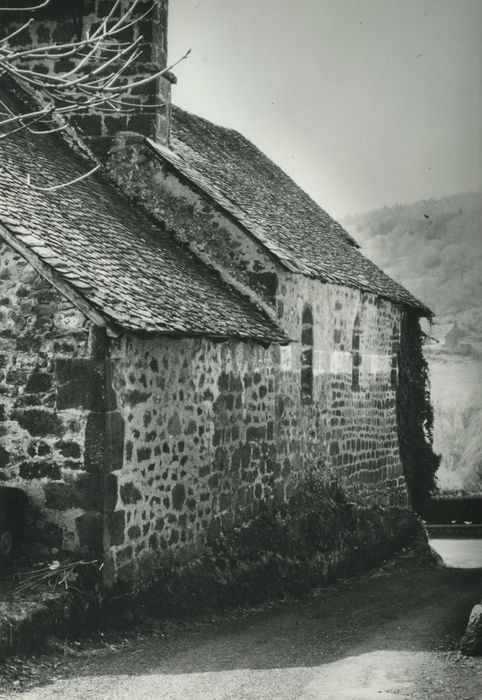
{"x": 415, "y": 414}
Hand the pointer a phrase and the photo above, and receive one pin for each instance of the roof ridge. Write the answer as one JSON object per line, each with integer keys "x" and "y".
{"x": 239, "y": 134}
{"x": 220, "y": 198}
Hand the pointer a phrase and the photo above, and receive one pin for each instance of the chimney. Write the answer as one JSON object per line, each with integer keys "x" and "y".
{"x": 63, "y": 21}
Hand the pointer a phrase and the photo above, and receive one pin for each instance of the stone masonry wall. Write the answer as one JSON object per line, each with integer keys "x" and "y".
{"x": 215, "y": 432}
{"x": 199, "y": 444}
{"x": 48, "y": 386}
{"x": 150, "y": 449}
{"x": 359, "y": 428}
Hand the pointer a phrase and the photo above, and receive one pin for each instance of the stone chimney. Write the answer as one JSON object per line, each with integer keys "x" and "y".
{"x": 67, "y": 20}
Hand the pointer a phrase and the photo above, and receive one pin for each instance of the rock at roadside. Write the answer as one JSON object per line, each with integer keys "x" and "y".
{"x": 471, "y": 643}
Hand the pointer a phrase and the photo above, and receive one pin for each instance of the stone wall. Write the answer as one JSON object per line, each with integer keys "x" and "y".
{"x": 47, "y": 390}
{"x": 199, "y": 443}
{"x": 216, "y": 433}
{"x": 152, "y": 449}
{"x": 355, "y": 428}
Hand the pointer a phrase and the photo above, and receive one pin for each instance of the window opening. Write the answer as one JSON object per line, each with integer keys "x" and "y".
{"x": 356, "y": 355}
{"x": 394, "y": 342}
{"x": 307, "y": 355}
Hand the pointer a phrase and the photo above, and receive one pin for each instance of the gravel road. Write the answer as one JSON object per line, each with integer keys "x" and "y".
{"x": 392, "y": 634}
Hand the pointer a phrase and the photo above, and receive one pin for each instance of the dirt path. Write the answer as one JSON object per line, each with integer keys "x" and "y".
{"x": 392, "y": 635}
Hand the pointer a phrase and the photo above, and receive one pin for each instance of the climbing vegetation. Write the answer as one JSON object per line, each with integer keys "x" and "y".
{"x": 415, "y": 414}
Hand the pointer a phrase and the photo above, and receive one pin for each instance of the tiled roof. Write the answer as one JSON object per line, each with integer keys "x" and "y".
{"x": 124, "y": 265}
{"x": 268, "y": 204}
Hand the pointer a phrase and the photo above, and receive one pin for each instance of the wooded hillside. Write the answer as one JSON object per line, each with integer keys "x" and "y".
{"x": 434, "y": 248}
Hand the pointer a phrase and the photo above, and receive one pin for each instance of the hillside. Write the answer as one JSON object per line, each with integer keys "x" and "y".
{"x": 434, "y": 248}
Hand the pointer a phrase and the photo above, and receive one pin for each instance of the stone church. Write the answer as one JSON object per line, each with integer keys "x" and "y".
{"x": 186, "y": 338}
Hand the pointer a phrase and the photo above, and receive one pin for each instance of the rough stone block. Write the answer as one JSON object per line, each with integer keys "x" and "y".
{"x": 134, "y": 532}
{"x": 90, "y": 532}
{"x": 60, "y": 496}
{"x": 4, "y": 457}
{"x": 104, "y": 442}
{"x": 111, "y": 492}
{"x": 85, "y": 492}
{"x": 116, "y": 523}
{"x": 130, "y": 494}
{"x": 68, "y": 448}
{"x": 114, "y": 441}
{"x": 471, "y": 644}
{"x": 135, "y": 397}
{"x": 94, "y": 449}
{"x": 80, "y": 384}
{"x": 178, "y": 496}
{"x": 39, "y": 422}
{"x": 39, "y": 470}
{"x": 174, "y": 425}
{"x": 266, "y": 283}
{"x": 38, "y": 382}
{"x": 143, "y": 453}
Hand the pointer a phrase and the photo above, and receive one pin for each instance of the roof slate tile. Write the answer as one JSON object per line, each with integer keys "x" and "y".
{"x": 264, "y": 200}
{"x": 124, "y": 265}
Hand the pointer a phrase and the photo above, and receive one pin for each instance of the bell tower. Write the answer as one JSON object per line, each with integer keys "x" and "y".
{"x": 65, "y": 21}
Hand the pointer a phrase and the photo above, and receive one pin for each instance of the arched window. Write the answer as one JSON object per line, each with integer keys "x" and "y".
{"x": 306, "y": 355}
{"x": 394, "y": 342}
{"x": 356, "y": 354}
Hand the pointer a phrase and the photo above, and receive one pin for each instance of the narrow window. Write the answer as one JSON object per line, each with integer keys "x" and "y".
{"x": 356, "y": 355}
{"x": 394, "y": 341}
{"x": 306, "y": 355}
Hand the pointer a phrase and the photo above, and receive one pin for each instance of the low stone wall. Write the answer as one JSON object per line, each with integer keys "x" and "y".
{"x": 311, "y": 541}
{"x": 448, "y": 509}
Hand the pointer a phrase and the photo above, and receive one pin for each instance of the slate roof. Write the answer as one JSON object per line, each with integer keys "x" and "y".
{"x": 268, "y": 204}
{"x": 122, "y": 263}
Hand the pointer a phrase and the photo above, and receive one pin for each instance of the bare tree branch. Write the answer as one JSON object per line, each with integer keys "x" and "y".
{"x": 99, "y": 73}
{"x": 25, "y": 9}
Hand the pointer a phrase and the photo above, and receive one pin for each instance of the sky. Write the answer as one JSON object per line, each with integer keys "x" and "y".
{"x": 365, "y": 103}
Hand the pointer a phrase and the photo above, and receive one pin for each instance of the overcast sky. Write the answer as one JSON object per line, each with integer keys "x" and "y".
{"x": 363, "y": 102}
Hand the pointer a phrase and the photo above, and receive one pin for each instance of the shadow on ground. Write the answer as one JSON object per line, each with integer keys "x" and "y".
{"x": 395, "y": 621}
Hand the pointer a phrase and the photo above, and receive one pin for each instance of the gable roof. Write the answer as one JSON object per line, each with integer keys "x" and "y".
{"x": 124, "y": 265}
{"x": 272, "y": 208}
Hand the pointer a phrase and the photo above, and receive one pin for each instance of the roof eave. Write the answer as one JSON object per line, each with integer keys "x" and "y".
{"x": 10, "y": 234}
{"x": 278, "y": 339}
